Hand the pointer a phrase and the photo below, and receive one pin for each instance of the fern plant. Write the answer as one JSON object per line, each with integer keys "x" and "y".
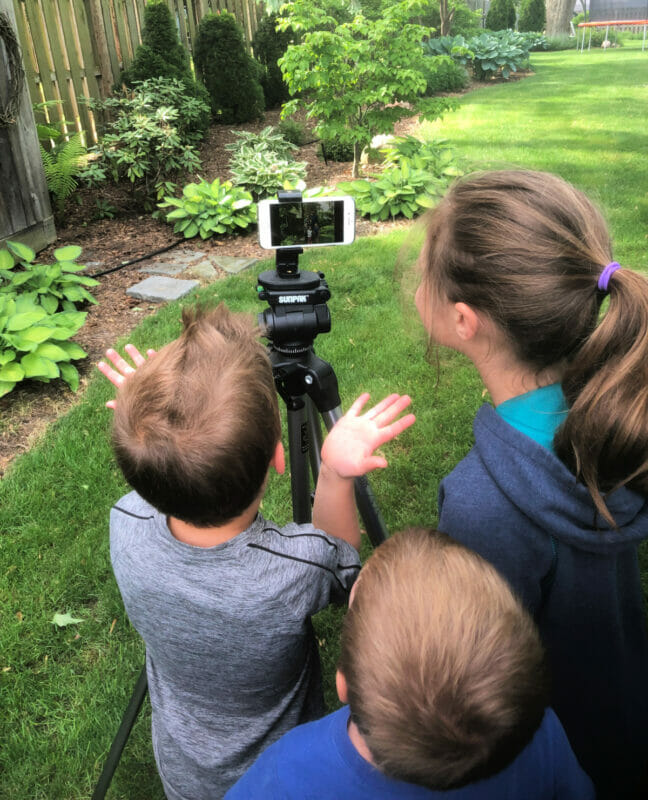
{"x": 62, "y": 164}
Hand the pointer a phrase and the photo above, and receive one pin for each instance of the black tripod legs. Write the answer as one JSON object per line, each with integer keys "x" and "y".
{"x": 304, "y": 443}
{"x": 119, "y": 742}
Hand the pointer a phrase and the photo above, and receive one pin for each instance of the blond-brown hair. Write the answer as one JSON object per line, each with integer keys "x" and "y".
{"x": 444, "y": 668}
{"x": 527, "y": 249}
{"x": 196, "y": 426}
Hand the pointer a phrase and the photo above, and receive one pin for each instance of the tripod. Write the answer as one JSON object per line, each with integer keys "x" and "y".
{"x": 308, "y": 386}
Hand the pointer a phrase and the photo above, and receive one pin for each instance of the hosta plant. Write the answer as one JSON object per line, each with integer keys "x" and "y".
{"x": 434, "y": 156}
{"x": 399, "y": 191}
{"x": 54, "y": 287}
{"x": 34, "y": 344}
{"x": 212, "y": 208}
{"x": 264, "y": 173}
{"x": 268, "y": 139}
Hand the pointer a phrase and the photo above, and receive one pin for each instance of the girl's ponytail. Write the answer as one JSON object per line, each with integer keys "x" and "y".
{"x": 604, "y": 439}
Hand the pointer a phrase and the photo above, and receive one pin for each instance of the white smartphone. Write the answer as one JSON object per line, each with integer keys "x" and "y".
{"x": 315, "y": 222}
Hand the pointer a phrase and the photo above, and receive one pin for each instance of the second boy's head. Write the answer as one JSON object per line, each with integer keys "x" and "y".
{"x": 197, "y": 426}
{"x": 442, "y": 667}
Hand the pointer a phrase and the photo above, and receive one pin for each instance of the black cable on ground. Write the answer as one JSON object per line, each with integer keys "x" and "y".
{"x": 136, "y": 260}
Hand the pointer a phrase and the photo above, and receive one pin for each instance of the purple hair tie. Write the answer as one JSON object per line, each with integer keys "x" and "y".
{"x": 607, "y": 273}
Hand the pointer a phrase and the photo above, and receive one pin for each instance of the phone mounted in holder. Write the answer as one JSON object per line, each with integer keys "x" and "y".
{"x": 297, "y": 300}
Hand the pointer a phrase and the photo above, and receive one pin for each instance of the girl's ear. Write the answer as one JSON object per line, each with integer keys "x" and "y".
{"x": 341, "y": 686}
{"x": 467, "y": 322}
{"x": 278, "y": 460}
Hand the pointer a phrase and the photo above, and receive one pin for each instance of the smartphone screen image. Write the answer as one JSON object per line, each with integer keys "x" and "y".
{"x": 307, "y": 223}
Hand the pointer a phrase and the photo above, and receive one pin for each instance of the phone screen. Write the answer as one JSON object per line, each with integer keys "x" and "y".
{"x": 296, "y": 224}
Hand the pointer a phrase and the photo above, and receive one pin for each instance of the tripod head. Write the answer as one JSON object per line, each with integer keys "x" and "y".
{"x": 297, "y": 300}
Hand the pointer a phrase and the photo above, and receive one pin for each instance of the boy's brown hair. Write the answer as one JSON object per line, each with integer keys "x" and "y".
{"x": 196, "y": 427}
{"x": 445, "y": 671}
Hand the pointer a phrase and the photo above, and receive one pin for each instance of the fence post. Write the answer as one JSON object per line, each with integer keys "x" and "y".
{"x": 100, "y": 42}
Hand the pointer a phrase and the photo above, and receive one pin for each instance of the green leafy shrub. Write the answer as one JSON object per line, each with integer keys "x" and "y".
{"x": 294, "y": 132}
{"x": 455, "y": 46}
{"x": 269, "y": 139}
{"x": 435, "y": 156}
{"x": 231, "y": 75}
{"x": 416, "y": 173}
{"x": 399, "y": 191}
{"x": 443, "y": 74}
{"x": 560, "y": 42}
{"x": 208, "y": 208}
{"x": 533, "y": 15}
{"x": 55, "y": 287}
{"x": 491, "y": 54}
{"x": 34, "y": 341}
{"x": 498, "y": 54}
{"x": 148, "y": 143}
{"x": 161, "y": 55}
{"x": 268, "y": 46}
{"x": 337, "y": 149}
{"x": 501, "y": 15}
{"x": 264, "y": 173}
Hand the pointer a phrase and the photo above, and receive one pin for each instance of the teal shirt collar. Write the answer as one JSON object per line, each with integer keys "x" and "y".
{"x": 537, "y": 414}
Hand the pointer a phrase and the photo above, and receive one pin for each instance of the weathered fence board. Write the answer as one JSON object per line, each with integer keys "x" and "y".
{"x": 78, "y": 48}
{"x": 25, "y": 212}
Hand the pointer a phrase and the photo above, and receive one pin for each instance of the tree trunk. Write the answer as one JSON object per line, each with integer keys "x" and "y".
{"x": 357, "y": 152}
{"x": 559, "y": 13}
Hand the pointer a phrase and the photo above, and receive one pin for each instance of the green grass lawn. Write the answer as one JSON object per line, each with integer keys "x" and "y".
{"x": 582, "y": 116}
{"x": 63, "y": 690}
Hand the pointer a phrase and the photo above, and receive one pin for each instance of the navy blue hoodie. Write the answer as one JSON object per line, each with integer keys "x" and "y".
{"x": 514, "y": 502}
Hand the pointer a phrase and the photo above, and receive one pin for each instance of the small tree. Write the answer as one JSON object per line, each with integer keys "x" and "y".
{"x": 501, "y": 15}
{"x": 160, "y": 55}
{"x": 533, "y": 16}
{"x": 231, "y": 75}
{"x": 356, "y": 78}
{"x": 269, "y": 45}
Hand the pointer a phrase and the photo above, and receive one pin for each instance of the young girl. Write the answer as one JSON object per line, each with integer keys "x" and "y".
{"x": 515, "y": 268}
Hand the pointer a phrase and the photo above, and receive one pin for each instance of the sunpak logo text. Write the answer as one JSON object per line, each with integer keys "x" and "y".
{"x": 293, "y": 298}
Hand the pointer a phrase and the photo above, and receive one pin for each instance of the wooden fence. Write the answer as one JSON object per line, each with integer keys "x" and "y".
{"x": 25, "y": 212}
{"x": 77, "y": 48}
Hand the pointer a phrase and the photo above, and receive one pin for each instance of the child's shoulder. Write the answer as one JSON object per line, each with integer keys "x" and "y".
{"x": 303, "y": 541}
{"x": 132, "y": 506}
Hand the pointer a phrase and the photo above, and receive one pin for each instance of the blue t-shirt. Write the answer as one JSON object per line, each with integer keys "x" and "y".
{"x": 537, "y": 414}
{"x": 317, "y": 761}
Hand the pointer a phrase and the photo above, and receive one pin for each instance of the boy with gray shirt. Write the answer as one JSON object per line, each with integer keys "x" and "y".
{"x": 221, "y": 597}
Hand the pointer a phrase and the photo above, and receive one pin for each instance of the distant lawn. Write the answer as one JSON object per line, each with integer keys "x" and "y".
{"x": 583, "y": 117}
{"x": 63, "y": 690}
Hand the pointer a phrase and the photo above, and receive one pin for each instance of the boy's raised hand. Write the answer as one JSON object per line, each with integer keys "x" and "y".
{"x": 122, "y": 369}
{"x": 348, "y": 450}
{"x": 347, "y": 453}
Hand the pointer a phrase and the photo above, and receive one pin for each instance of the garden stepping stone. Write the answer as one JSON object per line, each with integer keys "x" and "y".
{"x": 234, "y": 265}
{"x": 164, "y": 268}
{"x": 204, "y": 270}
{"x": 172, "y": 264}
{"x": 160, "y": 289}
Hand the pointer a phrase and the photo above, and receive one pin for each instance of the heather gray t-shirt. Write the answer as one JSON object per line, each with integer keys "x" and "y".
{"x": 232, "y": 661}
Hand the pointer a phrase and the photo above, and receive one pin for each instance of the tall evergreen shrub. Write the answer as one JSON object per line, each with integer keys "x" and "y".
{"x": 268, "y": 46}
{"x": 533, "y": 15}
{"x": 229, "y": 72}
{"x": 501, "y": 15}
{"x": 161, "y": 55}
